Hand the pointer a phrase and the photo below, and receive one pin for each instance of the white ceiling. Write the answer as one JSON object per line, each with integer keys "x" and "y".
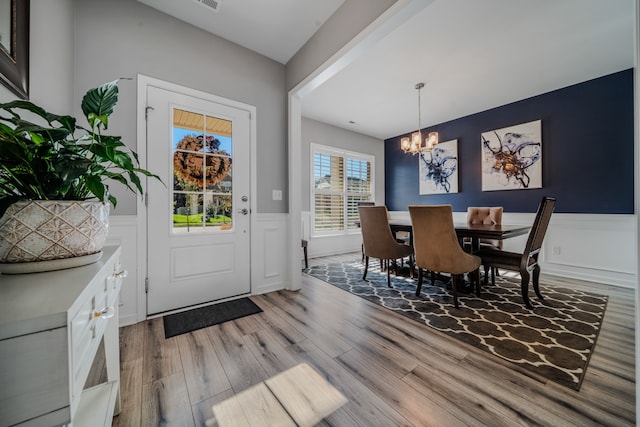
{"x": 472, "y": 55}
{"x": 276, "y": 29}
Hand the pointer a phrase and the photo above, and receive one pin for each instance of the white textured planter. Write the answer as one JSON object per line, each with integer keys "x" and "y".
{"x": 41, "y": 231}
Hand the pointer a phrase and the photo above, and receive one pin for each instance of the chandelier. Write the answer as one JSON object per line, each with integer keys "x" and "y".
{"x": 413, "y": 145}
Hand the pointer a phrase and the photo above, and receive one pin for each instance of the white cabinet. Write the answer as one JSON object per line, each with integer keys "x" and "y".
{"x": 51, "y": 325}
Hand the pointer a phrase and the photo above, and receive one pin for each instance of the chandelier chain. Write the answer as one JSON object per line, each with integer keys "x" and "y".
{"x": 419, "y": 87}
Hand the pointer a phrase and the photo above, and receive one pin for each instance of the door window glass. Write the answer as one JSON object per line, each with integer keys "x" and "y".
{"x": 202, "y": 173}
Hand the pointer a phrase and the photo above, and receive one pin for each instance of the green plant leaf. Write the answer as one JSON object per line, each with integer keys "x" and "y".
{"x": 95, "y": 186}
{"x": 98, "y": 103}
{"x": 48, "y": 156}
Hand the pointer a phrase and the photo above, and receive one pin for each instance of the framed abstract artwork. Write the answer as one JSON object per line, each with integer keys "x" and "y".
{"x": 512, "y": 157}
{"x": 439, "y": 169}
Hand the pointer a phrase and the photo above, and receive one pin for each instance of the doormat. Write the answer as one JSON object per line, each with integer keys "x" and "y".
{"x": 554, "y": 340}
{"x": 198, "y": 318}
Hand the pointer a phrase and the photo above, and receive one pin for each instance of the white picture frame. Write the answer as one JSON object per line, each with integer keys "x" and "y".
{"x": 512, "y": 157}
{"x": 438, "y": 169}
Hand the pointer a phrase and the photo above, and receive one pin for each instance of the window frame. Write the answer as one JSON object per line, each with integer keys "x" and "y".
{"x": 345, "y": 155}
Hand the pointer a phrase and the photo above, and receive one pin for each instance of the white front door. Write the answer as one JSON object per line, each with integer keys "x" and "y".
{"x": 198, "y": 221}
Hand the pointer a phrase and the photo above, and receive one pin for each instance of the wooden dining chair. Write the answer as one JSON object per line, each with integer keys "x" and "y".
{"x": 437, "y": 248}
{"x": 525, "y": 262}
{"x": 305, "y": 245}
{"x": 378, "y": 242}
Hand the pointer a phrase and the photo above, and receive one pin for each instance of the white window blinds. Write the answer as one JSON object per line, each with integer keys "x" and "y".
{"x": 340, "y": 180}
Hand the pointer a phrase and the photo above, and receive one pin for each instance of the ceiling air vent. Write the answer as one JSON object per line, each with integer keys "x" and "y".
{"x": 211, "y": 4}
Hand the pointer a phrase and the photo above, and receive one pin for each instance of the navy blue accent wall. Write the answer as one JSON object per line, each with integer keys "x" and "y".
{"x": 587, "y": 152}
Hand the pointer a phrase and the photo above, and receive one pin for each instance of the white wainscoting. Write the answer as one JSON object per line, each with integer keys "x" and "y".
{"x": 122, "y": 232}
{"x": 320, "y": 246}
{"x": 268, "y": 253}
{"x": 598, "y": 248}
{"x": 592, "y": 247}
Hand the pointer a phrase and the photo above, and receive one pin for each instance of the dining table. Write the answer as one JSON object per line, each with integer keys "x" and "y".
{"x": 473, "y": 231}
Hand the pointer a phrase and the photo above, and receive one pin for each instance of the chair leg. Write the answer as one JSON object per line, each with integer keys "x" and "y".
{"x": 362, "y": 250}
{"x": 454, "y": 290}
{"x": 388, "y": 274}
{"x": 366, "y": 267}
{"x": 306, "y": 257}
{"x": 411, "y": 266}
{"x": 486, "y": 275}
{"x": 536, "y": 280}
{"x": 476, "y": 278}
{"x": 420, "y": 274}
{"x": 524, "y": 287}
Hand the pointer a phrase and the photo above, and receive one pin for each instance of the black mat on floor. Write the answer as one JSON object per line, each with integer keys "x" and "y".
{"x": 198, "y": 318}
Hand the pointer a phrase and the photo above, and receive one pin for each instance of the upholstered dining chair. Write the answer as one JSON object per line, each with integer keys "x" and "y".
{"x": 437, "y": 248}
{"x": 485, "y": 215}
{"x": 525, "y": 262}
{"x": 364, "y": 204}
{"x": 378, "y": 242}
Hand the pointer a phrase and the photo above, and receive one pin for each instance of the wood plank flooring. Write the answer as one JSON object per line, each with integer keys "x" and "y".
{"x": 393, "y": 371}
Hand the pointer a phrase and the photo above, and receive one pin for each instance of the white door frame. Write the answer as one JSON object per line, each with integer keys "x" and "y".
{"x": 141, "y": 140}
{"x": 387, "y": 22}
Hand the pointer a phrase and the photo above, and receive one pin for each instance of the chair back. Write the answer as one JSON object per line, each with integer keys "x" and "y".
{"x": 540, "y": 225}
{"x": 376, "y": 233}
{"x": 485, "y": 215}
{"x": 481, "y": 215}
{"x": 366, "y": 204}
{"x": 435, "y": 242}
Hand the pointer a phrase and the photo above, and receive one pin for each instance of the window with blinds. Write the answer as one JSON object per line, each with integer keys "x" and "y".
{"x": 340, "y": 180}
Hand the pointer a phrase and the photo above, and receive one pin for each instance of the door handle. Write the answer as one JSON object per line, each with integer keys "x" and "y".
{"x": 244, "y": 211}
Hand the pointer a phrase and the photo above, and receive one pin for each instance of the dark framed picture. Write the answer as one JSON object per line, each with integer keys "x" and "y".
{"x": 14, "y": 46}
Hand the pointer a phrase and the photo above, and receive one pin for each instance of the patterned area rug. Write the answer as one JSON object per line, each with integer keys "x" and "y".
{"x": 554, "y": 340}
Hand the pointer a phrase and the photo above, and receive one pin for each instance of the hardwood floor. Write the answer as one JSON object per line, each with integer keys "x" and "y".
{"x": 392, "y": 370}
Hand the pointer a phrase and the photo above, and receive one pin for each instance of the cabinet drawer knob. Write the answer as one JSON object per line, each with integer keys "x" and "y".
{"x": 121, "y": 273}
{"x": 105, "y": 313}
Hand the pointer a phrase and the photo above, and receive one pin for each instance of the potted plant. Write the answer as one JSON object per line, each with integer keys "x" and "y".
{"x": 54, "y": 173}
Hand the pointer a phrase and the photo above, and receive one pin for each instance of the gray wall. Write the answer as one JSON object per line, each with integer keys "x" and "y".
{"x": 76, "y": 45}
{"x": 51, "y": 70}
{"x": 120, "y": 38}
{"x": 322, "y": 133}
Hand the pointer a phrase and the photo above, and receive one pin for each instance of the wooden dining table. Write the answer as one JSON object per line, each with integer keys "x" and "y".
{"x": 474, "y": 231}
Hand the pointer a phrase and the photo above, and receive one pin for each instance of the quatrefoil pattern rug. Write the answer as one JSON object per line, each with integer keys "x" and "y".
{"x": 554, "y": 340}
